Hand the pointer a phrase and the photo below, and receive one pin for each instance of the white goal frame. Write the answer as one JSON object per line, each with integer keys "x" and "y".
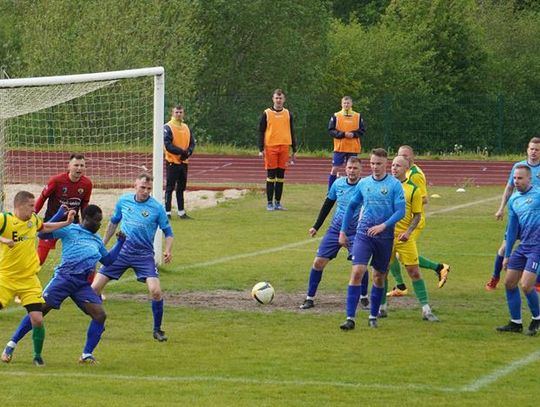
{"x": 158, "y": 116}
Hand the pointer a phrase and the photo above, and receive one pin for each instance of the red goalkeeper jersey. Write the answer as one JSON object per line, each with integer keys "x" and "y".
{"x": 62, "y": 191}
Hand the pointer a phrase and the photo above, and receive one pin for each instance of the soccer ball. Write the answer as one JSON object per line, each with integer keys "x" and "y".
{"x": 263, "y": 292}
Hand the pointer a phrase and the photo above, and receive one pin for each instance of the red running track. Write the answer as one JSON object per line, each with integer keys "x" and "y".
{"x": 105, "y": 169}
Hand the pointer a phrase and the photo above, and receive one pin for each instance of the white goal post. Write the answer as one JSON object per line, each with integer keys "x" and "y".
{"x": 114, "y": 118}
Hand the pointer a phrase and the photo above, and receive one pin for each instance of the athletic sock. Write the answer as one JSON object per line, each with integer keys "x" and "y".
{"x": 38, "y": 337}
{"x": 532, "y": 301}
{"x": 353, "y": 296}
{"x": 514, "y": 303}
{"x": 383, "y": 298}
{"x": 279, "y": 190}
{"x": 376, "y": 296}
{"x": 270, "y": 190}
{"x": 497, "y": 266}
{"x": 157, "y": 311}
{"x": 24, "y": 327}
{"x": 331, "y": 180}
{"x": 315, "y": 277}
{"x": 93, "y": 335}
{"x": 420, "y": 291}
{"x": 364, "y": 285}
{"x": 395, "y": 269}
{"x": 428, "y": 264}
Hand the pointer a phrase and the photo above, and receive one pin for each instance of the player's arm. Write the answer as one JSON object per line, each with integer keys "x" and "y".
{"x": 332, "y": 131}
{"x": 293, "y": 136}
{"x": 403, "y": 237}
{"x": 512, "y": 231}
{"x": 360, "y": 131}
{"x": 262, "y": 130}
{"x": 355, "y": 202}
{"x": 323, "y": 214}
{"x": 504, "y": 200}
{"x": 191, "y": 146}
{"x": 45, "y": 194}
{"x": 167, "y": 253}
{"x": 5, "y": 240}
{"x": 109, "y": 232}
{"x": 48, "y": 227}
{"x": 109, "y": 258}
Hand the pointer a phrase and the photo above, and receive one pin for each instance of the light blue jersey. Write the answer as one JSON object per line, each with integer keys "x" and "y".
{"x": 535, "y": 173}
{"x": 524, "y": 216}
{"x": 140, "y": 221}
{"x": 81, "y": 250}
{"x": 341, "y": 192}
{"x": 382, "y": 201}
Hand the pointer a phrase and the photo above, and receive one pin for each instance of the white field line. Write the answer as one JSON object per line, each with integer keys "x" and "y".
{"x": 218, "y": 167}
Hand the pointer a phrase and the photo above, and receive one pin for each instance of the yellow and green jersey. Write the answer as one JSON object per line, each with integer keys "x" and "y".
{"x": 413, "y": 204}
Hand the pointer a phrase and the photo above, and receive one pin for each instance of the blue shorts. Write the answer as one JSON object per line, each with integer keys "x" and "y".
{"x": 524, "y": 258}
{"x": 330, "y": 246}
{"x": 378, "y": 250}
{"x": 75, "y": 286}
{"x": 144, "y": 267}
{"x": 341, "y": 158}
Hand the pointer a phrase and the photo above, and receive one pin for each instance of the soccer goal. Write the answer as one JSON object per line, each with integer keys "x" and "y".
{"x": 114, "y": 118}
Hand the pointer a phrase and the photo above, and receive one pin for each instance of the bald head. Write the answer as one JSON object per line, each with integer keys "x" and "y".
{"x": 400, "y": 166}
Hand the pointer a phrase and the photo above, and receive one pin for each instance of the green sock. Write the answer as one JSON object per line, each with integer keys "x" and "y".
{"x": 395, "y": 269}
{"x": 38, "y": 337}
{"x": 428, "y": 264}
{"x": 420, "y": 291}
{"x": 383, "y": 299}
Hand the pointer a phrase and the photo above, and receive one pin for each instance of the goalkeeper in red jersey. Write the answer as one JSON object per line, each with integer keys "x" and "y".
{"x": 71, "y": 189}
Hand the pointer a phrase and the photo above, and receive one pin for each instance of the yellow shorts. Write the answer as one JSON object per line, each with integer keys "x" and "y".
{"x": 407, "y": 251}
{"x": 29, "y": 290}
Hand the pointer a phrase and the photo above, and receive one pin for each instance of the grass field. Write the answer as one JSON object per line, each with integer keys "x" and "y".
{"x": 277, "y": 355}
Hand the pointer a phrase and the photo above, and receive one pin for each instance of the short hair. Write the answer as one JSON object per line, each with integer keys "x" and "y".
{"x": 178, "y": 107}
{"x": 406, "y": 147}
{"x": 535, "y": 140}
{"x": 278, "y": 91}
{"x": 524, "y": 167}
{"x": 379, "y": 152}
{"x": 91, "y": 211}
{"x": 76, "y": 156}
{"x": 347, "y": 98}
{"x": 145, "y": 176}
{"x": 22, "y": 197}
{"x": 353, "y": 160}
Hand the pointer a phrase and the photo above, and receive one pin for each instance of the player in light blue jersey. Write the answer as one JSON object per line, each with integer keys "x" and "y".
{"x": 383, "y": 204}
{"x": 82, "y": 248}
{"x": 533, "y": 162}
{"x": 340, "y": 192}
{"x": 140, "y": 216}
{"x": 522, "y": 264}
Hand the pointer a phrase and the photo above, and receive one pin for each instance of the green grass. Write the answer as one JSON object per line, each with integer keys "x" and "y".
{"x": 286, "y": 357}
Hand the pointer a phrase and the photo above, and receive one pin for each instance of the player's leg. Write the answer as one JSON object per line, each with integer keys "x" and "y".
{"x": 513, "y": 298}
{"x": 353, "y": 295}
{"x": 315, "y": 276}
{"x": 171, "y": 177}
{"x": 283, "y": 158}
{"x": 95, "y": 328}
{"x": 180, "y": 189}
{"x": 497, "y": 268}
{"x": 270, "y": 164}
{"x": 400, "y": 289}
{"x": 380, "y": 260}
{"x": 441, "y": 269}
{"x": 364, "y": 299}
{"x": 154, "y": 288}
{"x": 527, "y": 282}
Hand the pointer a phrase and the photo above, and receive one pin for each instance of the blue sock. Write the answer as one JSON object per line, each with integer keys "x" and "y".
{"x": 331, "y": 179}
{"x": 24, "y": 327}
{"x": 364, "y": 284}
{"x": 376, "y": 297}
{"x": 315, "y": 277}
{"x": 532, "y": 300}
{"x": 514, "y": 303}
{"x": 157, "y": 310}
{"x": 93, "y": 335}
{"x": 497, "y": 267}
{"x": 353, "y": 296}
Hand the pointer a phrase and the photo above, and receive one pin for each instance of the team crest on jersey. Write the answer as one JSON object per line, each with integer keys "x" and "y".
{"x": 80, "y": 191}
{"x": 384, "y": 191}
{"x": 529, "y": 201}
{"x": 29, "y": 224}
{"x": 64, "y": 190}
{"x": 145, "y": 213}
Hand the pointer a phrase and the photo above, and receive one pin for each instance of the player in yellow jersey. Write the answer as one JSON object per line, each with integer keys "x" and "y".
{"x": 406, "y": 232}
{"x": 416, "y": 175}
{"x": 19, "y": 263}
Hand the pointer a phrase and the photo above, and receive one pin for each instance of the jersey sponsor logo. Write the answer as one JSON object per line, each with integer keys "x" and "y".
{"x": 71, "y": 203}
{"x": 16, "y": 238}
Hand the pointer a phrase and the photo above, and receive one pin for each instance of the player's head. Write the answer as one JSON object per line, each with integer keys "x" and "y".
{"x": 352, "y": 169}
{"x": 24, "y": 204}
{"x": 278, "y": 98}
{"x": 346, "y": 103}
{"x": 76, "y": 167}
{"x": 377, "y": 162}
{"x": 178, "y": 112}
{"x": 92, "y": 216}
{"x": 400, "y": 166}
{"x": 143, "y": 186}
{"x": 533, "y": 150}
{"x": 407, "y": 152}
{"x": 522, "y": 178}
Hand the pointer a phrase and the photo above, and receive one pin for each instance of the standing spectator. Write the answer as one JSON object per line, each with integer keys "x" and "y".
{"x": 276, "y": 134}
{"x": 383, "y": 205}
{"x": 346, "y": 127}
{"x": 141, "y": 215}
{"x": 71, "y": 189}
{"x": 522, "y": 264}
{"x": 179, "y": 146}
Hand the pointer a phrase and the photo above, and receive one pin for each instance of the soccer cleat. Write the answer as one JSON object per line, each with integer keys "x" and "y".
{"x": 396, "y": 292}
{"x": 7, "y": 354}
{"x": 492, "y": 284}
{"x": 382, "y": 313}
{"x": 38, "y": 361}
{"x": 160, "y": 336}
{"x": 429, "y": 316}
{"x": 307, "y": 304}
{"x": 348, "y": 325}
{"x": 443, "y": 274}
{"x": 269, "y": 206}
{"x": 185, "y": 216}
{"x": 278, "y": 207}
{"x": 87, "y": 360}
{"x": 534, "y": 326}
{"x": 372, "y": 323}
{"x": 364, "y": 302}
{"x": 510, "y": 327}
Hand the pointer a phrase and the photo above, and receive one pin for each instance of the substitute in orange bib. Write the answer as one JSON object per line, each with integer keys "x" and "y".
{"x": 179, "y": 145}
{"x": 346, "y": 127}
{"x": 276, "y": 134}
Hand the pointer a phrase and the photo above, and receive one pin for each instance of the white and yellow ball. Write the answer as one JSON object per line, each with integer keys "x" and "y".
{"x": 263, "y": 292}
